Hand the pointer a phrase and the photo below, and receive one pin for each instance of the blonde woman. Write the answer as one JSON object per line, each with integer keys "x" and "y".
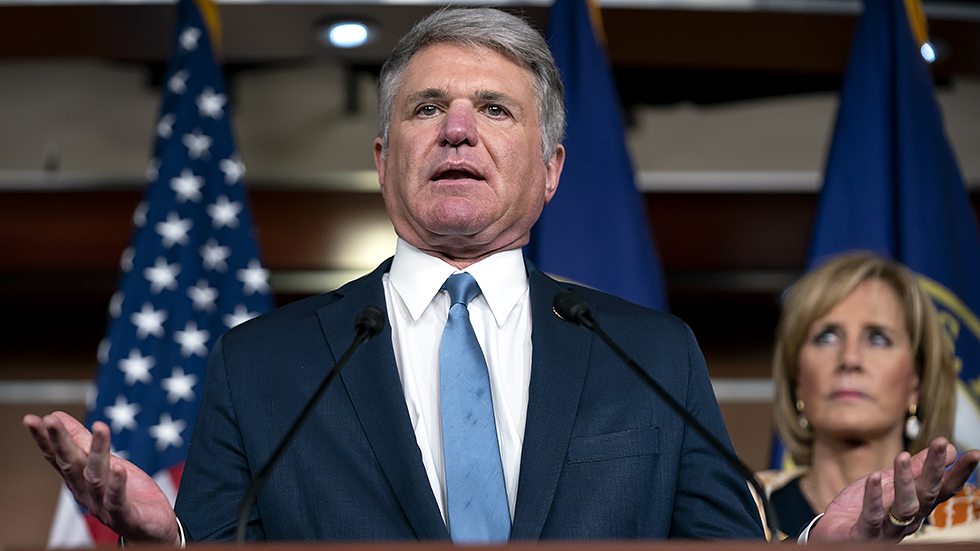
{"x": 862, "y": 372}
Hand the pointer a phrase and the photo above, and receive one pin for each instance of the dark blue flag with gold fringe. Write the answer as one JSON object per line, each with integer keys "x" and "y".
{"x": 892, "y": 186}
{"x": 595, "y": 230}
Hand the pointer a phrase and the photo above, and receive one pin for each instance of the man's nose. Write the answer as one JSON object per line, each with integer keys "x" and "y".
{"x": 459, "y": 125}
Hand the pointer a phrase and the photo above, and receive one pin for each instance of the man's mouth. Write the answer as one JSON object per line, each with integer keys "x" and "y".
{"x": 457, "y": 174}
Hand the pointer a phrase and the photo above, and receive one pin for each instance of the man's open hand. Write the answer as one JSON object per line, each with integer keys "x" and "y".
{"x": 891, "y": 504}
{"x": 114, "y": 490}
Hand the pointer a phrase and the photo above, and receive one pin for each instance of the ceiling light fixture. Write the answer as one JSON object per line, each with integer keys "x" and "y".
{"x": 346, "y": 34}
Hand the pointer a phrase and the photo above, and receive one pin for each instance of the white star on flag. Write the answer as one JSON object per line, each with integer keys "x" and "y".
{"x": 233, "y": 168}
{"x": 255, "y": 278}
{"x": 162, "y": 275}
{"x": 102, "y": 352}
{"x": 115, "y": 303}
{"x": 139, "y": 215}
{"x": 167, "y": 433}
{"x": 224, "y": 212}
{"x": 148, "y": 321}
{"x": 91, "y": 395}
{"x": 203, "y": 296}
{"x": 211, "y": 104}
{"x": 214, "y": 255}
{"x": 240, "y": 315}
{"x": 198, "y": 144}
{"x": 188, "y": 39}
{"x": 137, "y": 367}
{"x": 178, "y": 83}
{"x": 187, "y": 186}
{"x": 126, "y": 260}
{"x": 153, "y": 170}
{"x": 165, "y": 128}
{"x": 122, "y": 415}
{"x": 174, "y": 230}
{"x": 192, "y": 341}
{"x": 179, "y": 386}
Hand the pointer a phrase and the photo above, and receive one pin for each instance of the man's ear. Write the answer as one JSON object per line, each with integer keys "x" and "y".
{"x": 553, "y": 172}
{"x": 379, "y": 162}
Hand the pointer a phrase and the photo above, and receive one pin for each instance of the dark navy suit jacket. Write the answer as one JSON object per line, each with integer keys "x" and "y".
{"x": 603, "y": 456}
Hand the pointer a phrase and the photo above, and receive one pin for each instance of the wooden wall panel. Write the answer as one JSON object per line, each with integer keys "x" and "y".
{"x": 30, "y": 485}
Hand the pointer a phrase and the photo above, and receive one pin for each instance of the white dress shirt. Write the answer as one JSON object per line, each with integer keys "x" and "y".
{"x": 501, "y": 318}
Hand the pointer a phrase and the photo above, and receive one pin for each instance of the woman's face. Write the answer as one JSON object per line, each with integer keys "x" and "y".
{"x": 857, "y": 377}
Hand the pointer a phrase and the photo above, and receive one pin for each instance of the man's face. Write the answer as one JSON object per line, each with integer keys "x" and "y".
{"x": 464, "y": 176}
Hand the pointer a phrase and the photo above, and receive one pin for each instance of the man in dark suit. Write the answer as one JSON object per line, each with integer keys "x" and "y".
{"x": 469, "y": 153}
{"x": 602, "y": 458}
{"x": 466, "y": 160}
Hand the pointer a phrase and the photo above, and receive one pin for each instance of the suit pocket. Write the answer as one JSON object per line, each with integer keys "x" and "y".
{"x": 614, "y": 445}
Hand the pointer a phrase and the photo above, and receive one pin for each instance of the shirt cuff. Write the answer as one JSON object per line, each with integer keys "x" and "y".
{"x": 180, "y": 528}
{"x": 804, "y": 535}
{"x": 183, "y": 540}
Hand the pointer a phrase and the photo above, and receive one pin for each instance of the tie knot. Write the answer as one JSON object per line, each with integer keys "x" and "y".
{"x": 462, "y": 288}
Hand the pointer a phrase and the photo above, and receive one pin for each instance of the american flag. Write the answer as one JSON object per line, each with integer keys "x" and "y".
{"x": 192, "y": 272}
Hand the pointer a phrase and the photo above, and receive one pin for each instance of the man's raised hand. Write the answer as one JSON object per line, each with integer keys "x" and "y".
{"x": 114, "y": 490}
{"x": 891, "y": 504}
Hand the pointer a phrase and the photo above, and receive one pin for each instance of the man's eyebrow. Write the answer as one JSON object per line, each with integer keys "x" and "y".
{"x": 428, "y": 94}
{"x": 437, "y": 94}
{"x": 492, "y": 96}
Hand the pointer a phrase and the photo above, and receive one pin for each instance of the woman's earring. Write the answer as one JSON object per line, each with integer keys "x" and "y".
{"x": 912, "y": 424}
{"x": 800, "y": 419}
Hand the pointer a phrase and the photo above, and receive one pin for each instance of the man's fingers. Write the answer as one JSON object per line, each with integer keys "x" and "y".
{"x": 39, "y": 432}
{"x": 956, "y": 476}
{"x": 903, "y": 510}
{"x": 69, "y": 457}
{"x": 872, "y": 513}
{"x": 96, "y": 470}
{"x": 929, "y": 481}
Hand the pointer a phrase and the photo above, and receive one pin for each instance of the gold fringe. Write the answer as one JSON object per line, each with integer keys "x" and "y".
{"x": 209, "y": 13}
{"x": 917, "y": 20}
{"x": 595, "y": 15}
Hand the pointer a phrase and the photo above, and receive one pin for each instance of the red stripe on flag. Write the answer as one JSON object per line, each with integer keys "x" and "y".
{"x": 101, "y": 533}
{"x": 176, "y": 471}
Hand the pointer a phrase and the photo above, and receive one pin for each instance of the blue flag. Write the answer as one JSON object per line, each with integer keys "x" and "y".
{"x": 594, "y": 231}
{"x": 192, "y": 272}
{"x": 892, "y": 186}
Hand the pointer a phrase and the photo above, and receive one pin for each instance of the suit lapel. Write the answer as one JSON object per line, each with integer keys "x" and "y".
{"x": 372, "y": 383}
{"x": 560, "y": 352}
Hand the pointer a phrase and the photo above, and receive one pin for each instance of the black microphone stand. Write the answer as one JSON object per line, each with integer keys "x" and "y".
{"x": 368, "y": 323}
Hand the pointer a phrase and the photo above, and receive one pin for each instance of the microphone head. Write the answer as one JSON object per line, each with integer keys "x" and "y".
{"x": 370, "y": 320}
{"x": 571, "y": 307}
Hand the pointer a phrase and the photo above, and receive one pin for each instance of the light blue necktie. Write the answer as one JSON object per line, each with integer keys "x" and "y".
{"x": 476, "y": 498}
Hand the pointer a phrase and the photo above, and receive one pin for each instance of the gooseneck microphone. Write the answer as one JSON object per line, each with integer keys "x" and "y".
{"x": 573, "y": 308}
{"x": 368, "y": 323}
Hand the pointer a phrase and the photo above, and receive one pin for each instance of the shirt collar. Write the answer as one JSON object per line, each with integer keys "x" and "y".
{"x": 417, "y": 277}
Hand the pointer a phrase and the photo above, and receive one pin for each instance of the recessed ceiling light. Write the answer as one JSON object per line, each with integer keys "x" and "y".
{"x": 346, "y": 34}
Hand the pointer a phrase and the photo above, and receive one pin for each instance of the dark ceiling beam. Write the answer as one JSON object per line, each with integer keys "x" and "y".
{"x": 791, "y": 42}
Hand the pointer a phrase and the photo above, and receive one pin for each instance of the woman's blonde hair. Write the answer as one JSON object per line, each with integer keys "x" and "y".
{"x": 814, "y": 296}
